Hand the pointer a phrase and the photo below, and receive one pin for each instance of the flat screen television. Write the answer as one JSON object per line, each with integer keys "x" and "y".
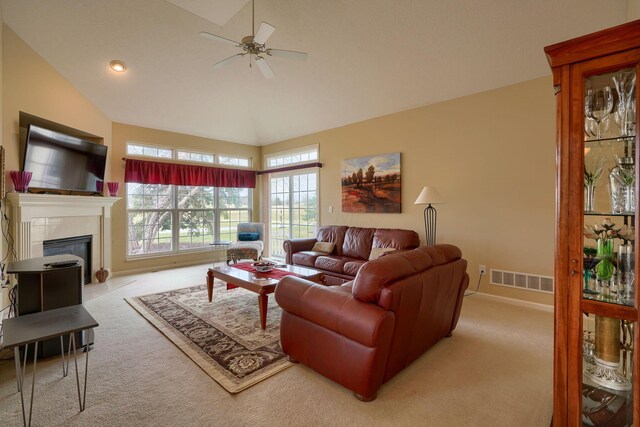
{"x": 63, "y": 162}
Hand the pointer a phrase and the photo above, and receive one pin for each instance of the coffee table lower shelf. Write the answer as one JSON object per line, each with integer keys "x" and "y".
{"x": 258, "y": 283}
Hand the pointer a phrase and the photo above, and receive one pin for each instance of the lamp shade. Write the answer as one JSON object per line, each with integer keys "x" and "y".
{"x": 429, "y": 195}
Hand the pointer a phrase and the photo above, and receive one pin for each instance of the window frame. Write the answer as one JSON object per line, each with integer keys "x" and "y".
{"x": 175, "y": 210}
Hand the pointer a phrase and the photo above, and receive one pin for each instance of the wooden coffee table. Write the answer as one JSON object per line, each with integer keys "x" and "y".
{"x": 258, "y": 283}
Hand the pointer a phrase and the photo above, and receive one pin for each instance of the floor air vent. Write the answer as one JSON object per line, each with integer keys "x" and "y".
{"x": 532, "y": 282}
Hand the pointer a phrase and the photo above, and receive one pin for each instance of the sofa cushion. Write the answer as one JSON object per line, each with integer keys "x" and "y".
{"x": 378, "y": 252}
{"x": 374, "y": 275}
{"x": 333, "y": 263}
{"x": 351, "y": 268}
{"x": 306, "y": 258}
{"x": 395, "y": 238}
{"x": 442, "y": 253}
{"x": 357, "y": 242}
{"x": 334, "y": 234}
{"x": 326, "y": 247}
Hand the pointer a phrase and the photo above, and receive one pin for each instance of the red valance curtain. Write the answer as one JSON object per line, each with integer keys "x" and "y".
{"x": 148, "y": 172}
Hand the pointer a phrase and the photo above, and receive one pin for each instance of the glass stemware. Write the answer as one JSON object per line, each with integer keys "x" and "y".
{"x": 593, "y": 166}
{"x": 590, "y": 126}
{"x": 625, "y": 117}
{"x": 598, "y": 104}
{"x": 625, "y": 82}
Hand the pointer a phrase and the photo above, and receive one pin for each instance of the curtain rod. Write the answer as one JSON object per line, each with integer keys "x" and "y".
{"x": 290, "y": 168}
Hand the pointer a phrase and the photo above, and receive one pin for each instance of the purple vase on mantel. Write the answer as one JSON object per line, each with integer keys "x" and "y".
{"x": 100, "y": 186}
{"x": 20, "y": 180}
{"x": 113, "y": 188}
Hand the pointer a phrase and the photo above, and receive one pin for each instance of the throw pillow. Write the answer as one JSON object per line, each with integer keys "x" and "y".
{"x": 326, "y": 247}
{"x": 377, "y": 252}
{"x": 248, "y": 237}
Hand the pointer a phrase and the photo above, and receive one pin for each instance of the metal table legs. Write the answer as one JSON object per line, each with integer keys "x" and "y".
{"x": 22, "y": 370}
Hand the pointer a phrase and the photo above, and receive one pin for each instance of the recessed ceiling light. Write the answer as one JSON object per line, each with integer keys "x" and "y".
{"x": 118, "y": 66}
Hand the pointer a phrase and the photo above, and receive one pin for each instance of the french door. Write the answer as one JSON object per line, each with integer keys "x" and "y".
{"x": 293, "y": 208}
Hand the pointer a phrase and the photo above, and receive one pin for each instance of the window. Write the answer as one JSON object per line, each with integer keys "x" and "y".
{"x": 144, "y": 150}
{"x": 174, "y": 218}
{"x": 300, "y": 155}
{"x": 195, "y": 157}
{"x": 233, "y": 161}
{"x": 293, "y": 199}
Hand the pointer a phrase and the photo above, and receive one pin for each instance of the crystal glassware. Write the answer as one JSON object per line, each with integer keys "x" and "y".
{"x": 625, "y": 82}
{"x": 598, "y": 104}
{"x": 593, "y": 165}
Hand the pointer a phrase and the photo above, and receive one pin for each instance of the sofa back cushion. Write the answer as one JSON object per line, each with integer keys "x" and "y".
{"x": 375, "y": 275}
{"x": 395, "y": 238}
{"x": 357, "y": 242}
{"x": 334, "y": 234}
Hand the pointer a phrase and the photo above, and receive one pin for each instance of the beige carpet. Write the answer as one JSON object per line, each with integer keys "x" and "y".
{"x": 496, "y": 370}
{"x": 223, "y": 336}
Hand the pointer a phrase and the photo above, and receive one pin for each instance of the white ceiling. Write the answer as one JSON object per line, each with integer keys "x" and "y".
{"x": 367, "y": 58}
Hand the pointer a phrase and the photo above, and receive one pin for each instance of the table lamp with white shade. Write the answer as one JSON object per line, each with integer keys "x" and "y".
{"x": 430, "y": 196}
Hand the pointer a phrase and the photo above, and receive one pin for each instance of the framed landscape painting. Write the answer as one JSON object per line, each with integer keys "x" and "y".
{"x": 371, "y": 184}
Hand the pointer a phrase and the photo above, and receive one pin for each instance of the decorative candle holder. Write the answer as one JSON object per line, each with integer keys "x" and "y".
{"x": 100, "y": 186}
{"x": 113, "y": 188}
{"x": 20, "y": 180}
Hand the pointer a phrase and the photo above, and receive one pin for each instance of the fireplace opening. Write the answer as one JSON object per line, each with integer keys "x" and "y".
{"x": 79, "y": 246}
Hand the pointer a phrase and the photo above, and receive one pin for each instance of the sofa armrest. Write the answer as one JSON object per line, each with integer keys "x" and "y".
{"x": 291, "y": 246}
{"x": 335, "y": 310}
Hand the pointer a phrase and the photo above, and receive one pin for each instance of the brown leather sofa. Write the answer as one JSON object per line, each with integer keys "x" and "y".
{"x": 352, "y": 249}
{"x": 364, "y": 332}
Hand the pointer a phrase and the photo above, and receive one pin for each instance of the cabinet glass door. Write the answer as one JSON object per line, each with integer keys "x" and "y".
{"x": 610, "y": 187}
{"x": 609, "y": 316}
{"x": 607, "y": 387}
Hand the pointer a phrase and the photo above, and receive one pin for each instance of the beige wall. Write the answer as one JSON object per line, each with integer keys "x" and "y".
{"x": 33, "y": 86}
{"x": 491, "y": 156}
{"x": 123, "y": 133}
{"x": 633, "y": 10}
{"x": 30, "y": 84}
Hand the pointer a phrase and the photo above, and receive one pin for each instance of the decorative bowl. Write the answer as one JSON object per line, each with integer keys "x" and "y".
{"x": 263, "y": 266}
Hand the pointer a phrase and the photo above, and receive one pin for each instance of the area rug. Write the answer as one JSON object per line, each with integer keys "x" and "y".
{"x": 223, "y": 336}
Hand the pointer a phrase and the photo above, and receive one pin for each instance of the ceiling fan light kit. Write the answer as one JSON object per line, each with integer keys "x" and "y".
{"x": 255, "y": 46}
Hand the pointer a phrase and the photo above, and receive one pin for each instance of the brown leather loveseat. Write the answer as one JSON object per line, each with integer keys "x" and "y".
{"x": 352, "y": 247}
{"x": 364, "y": 332}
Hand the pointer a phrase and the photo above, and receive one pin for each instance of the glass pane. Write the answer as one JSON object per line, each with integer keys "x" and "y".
{"x": 607, "y": 388}
{"x": 609, "y": 186}
{"x": 229, "y": 220}
{"x": 196, "y": 229}
{"x": 195, "y": 157}
{"x": 149, "y": 196}
{"x": 149, "y": 232}
{"x": 233, "y": 198}
{"x": 194, "y": 197}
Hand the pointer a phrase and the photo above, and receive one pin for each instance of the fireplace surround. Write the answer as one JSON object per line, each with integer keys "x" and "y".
{"x": 36, "y": 218}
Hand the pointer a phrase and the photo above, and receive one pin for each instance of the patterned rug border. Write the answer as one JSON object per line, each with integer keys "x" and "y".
{"x": 209, "y": 366}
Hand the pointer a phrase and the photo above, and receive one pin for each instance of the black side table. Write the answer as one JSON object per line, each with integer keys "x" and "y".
{"x": 33, "y": 328}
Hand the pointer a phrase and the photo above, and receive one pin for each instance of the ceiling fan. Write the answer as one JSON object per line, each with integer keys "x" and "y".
{"x": 254, "y": 46}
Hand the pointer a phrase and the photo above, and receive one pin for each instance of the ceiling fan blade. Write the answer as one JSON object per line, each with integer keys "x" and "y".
{"x": 290, "y": 54}
{"x": 218, "y": 38}
{"x": 227, "y": 61}
{"x": 264, "y": 67}
{"x": 264, "y": 32}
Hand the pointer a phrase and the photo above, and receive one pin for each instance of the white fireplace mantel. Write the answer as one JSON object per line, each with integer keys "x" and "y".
{"x": 32, "y": 213}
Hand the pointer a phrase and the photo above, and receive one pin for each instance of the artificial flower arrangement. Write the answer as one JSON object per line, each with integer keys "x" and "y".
{"x": 604, "y": 234}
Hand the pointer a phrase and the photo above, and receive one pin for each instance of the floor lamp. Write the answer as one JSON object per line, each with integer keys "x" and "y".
{"x": 429, "y": 196}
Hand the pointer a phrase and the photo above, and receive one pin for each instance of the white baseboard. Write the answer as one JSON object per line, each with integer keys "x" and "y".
{"x": 514, "y": 301}
{"x": 161, "y": 267}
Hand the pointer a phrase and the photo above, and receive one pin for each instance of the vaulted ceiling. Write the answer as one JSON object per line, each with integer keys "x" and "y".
{"x": 367, "y": 58}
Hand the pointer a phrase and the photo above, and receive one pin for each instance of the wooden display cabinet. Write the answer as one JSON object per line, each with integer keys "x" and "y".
{"x": 596, "y": 362}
